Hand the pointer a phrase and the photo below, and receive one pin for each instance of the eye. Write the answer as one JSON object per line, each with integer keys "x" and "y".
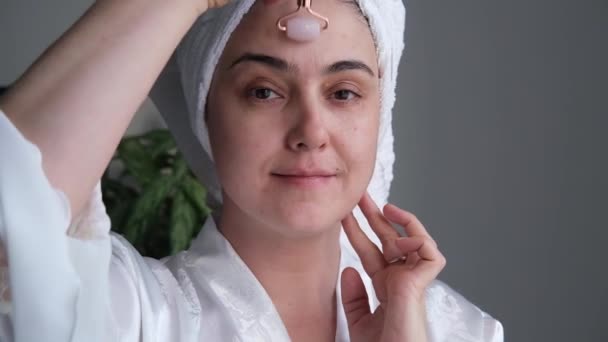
{"x": 345, "y": 95}
{"x": 264, "y": 94}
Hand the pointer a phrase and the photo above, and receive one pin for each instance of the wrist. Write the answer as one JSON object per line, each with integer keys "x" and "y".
{"x": 405, "y": 321}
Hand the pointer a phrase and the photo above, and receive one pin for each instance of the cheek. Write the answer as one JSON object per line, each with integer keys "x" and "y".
{"x": 362, "y": 139}
{"x": 239, "y": 147}
{"x": 357, "y": 147}
{"x": 364, "y": 153}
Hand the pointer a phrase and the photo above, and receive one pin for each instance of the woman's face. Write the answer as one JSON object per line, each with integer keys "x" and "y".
{"x": 293, "y": 126}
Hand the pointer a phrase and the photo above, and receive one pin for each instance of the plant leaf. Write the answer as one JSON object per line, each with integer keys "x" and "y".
{"x": 180, "y": 168}
{"x": 137, "y": 161}
{"x": 183, "y": 221}
{"x": 156, "y": 202}
{"x": 146, "y": 206}
{"x": 158, "y": 142}
{"x": 196, "y": 194}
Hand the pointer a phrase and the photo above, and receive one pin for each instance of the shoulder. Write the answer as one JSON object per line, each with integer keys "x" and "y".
{"x": 451, "y": 317}
{"x": 165, "y": 277}
{"x": 161, "y": 290}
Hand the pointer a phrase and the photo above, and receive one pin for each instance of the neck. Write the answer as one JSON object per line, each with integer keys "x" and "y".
{"x": 299, "y": 274}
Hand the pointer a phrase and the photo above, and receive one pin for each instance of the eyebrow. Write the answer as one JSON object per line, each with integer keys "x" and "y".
{"x": 283, "y": 66}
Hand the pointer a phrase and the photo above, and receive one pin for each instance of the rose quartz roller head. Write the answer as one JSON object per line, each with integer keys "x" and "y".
{"x": 301, "y": 27}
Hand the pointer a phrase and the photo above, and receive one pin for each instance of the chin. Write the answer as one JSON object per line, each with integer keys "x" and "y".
{"x": 307, "y": 220}
{"x": 293, "y": 215}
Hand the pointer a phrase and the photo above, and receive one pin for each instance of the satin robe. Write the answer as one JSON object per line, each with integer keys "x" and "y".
{"x": 70, "y": 279}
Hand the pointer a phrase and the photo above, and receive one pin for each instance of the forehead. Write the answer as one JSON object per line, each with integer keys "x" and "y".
{"x": 347, "y": 37}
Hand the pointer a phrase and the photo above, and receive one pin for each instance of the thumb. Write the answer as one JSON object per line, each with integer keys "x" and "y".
{"x": 354, "y": 296}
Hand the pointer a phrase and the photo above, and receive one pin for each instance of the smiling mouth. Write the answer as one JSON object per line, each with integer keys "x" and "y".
{"x": 303, "y": 176}
{"x": 305, "y": 180}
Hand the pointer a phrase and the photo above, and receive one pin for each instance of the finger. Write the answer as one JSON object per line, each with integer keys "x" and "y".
{"x": 380, "y": 225}
{"x": 424, "y": 246}
{"x": 409, "y": 221}
{"x": 368, "y": 252}
{"x": 354, "y": 296}
{"x": 217, "y": 3}
{"x": 390, "y": 251}
{"x": 410, "y": 244}
{"x": 430, "y": 262}
{"x": 412, "y": 260}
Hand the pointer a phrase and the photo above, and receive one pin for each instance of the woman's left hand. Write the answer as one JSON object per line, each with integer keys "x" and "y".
{"x": 400, "y": 274}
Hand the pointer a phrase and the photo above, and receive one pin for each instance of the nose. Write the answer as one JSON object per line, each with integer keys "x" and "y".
{"x": 308, "y": 132}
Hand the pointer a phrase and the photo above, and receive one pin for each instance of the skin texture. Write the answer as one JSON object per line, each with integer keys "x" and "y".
{"x": 305, "y": 119}
{"x": 266, "y": 120}
{"x": 80, "y": 95}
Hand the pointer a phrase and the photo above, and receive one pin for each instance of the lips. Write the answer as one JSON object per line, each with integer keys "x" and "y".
{"x": 305, "y": 177}
{"x": 305, "y": 173}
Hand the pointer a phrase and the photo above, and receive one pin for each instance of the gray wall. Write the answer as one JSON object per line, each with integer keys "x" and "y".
{"x": 503, "y": 153}
{"x": 501, "y": 148}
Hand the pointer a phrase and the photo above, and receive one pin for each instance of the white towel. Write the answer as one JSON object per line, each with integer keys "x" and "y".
{"x": 181, "y": 91}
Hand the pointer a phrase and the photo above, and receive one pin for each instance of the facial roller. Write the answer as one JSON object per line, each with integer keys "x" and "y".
{"x": 301, "y": 27}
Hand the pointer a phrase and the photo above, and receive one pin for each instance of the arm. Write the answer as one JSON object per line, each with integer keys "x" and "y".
{"x": 76, "y": 101}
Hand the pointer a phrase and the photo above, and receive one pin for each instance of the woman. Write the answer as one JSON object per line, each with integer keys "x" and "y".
{"x": 296, "y": 130}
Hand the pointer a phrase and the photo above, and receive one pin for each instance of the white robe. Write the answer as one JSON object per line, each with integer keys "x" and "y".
{"x": 67, "y": 279}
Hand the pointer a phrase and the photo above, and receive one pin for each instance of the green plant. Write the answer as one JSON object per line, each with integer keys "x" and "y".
{"x": 152, "y": 197}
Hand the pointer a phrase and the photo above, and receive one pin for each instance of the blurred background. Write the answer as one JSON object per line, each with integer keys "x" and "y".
{"x": 501, "y": 147}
